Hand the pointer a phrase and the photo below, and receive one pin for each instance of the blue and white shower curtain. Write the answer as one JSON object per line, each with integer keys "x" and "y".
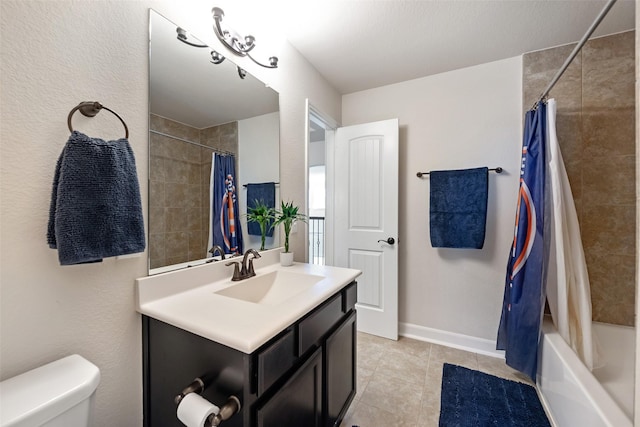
{"x": 524, "y": 292}
{"x": 224, "y": 218}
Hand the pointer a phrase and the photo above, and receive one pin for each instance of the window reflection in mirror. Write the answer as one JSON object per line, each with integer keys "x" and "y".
{"x": 198, "y": 110}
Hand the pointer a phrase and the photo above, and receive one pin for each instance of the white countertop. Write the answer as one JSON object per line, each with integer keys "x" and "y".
{"x": 187, "y": 299}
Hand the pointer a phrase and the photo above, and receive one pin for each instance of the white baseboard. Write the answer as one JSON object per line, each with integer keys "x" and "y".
{"x": 450, "y": 339}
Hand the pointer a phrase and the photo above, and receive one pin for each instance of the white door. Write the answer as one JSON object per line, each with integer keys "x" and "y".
{"x": 366, "y": 219}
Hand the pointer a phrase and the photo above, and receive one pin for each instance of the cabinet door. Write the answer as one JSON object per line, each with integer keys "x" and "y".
{"x": 299, "y": 402}
{"x": 340, "y": 370}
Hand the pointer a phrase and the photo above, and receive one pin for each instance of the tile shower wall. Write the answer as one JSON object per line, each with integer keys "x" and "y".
{"x": 179, "y": 188}
{"x": 596, "y": 131}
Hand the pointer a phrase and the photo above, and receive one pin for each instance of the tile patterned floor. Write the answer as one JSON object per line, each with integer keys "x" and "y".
{"x": 399, "y": 381}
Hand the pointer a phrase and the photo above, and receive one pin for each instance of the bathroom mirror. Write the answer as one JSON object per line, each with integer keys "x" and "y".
{"x": 198, "y": 108}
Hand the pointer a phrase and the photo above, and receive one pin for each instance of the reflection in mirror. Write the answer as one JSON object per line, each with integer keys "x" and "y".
{"x": 201, "y": 114}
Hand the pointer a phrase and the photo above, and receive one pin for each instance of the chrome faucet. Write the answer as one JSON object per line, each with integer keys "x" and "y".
{"x": 247, "y": 266}
{"x": 213, "y": 250}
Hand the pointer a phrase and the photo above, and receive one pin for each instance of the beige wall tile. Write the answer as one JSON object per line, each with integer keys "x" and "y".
{"x": 156, "y": 194}
{"x": 174, "y": 128}
{"x": 194, "y": 219}
{"x": 609, "y": 132}
{"x": 176, "y": 219}
{"x": 606, "y": 180}
{"x": 609, "y": 72}
{"x": 541, "y": 66}
{"x": 176, "y": 171}
{"x": 596, "y": 132}
{"x": 610, "y": 293}
{"x": 156, "y": 250}
{"x": 177, "y": 245}
{"x": 157, "y": 222}
{"x": 176, "y": 194}
{"x": 197, "y": 248}
{"x": 608, "y": 230}
{"x": 181, "y": 171}
{"x": 157, "y": 169}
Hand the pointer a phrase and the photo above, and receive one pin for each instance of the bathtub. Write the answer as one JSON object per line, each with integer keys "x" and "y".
{"x": 572, "y": 395}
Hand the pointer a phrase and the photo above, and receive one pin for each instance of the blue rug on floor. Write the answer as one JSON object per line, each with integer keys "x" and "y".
{"x": 475, "y": 399}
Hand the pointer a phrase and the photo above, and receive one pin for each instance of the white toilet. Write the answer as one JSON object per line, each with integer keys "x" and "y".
{"x": 58, "y": 394}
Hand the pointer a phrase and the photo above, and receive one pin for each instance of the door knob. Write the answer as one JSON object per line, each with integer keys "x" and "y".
{"x": 390, "y": 240}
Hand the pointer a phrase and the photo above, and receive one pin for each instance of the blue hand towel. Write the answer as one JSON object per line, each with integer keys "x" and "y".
{"x": 458, "y": 211}
{"x": 266, "y": 193}
{"x": 95, "y": 209}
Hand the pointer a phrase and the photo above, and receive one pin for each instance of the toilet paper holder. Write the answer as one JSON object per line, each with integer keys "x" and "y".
{"x": 230, "y": 408}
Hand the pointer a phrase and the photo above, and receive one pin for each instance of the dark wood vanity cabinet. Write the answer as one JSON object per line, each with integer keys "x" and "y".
{"x": 299, "y": 401}
{"x": 339, "y": 370}
{"x": 303, "y": 377}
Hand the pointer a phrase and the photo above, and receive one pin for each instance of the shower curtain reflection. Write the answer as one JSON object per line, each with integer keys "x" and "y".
{"x": 225, "y": 224}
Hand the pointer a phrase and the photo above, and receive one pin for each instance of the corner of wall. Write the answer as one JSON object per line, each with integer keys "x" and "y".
{"x": 637, "y": 387}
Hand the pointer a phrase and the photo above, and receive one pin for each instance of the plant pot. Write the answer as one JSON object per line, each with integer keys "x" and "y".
{"x": 286, "y": 259}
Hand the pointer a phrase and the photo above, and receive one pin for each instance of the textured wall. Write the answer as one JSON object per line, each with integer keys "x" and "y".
{"x": 54, "y": 55}
{"x": 596, "y": 131}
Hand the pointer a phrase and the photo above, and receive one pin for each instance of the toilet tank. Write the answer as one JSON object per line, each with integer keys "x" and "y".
{"x": 54, "y": 395}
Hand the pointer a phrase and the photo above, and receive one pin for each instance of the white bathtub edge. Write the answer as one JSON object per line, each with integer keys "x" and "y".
{"x": 609, "y": 413}
{"x": 547, "y": 409}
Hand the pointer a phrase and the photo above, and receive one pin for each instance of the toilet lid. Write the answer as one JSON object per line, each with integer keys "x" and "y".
{"x": 41, "y": 394}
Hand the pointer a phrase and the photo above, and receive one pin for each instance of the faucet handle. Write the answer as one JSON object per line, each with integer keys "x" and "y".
{"x": 236, "y": 270}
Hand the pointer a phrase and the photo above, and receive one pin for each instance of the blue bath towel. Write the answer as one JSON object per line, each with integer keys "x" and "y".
{"x": 95, "y": 209}
{"x": 266, "y": 193}
{"x": 458, "y": 211}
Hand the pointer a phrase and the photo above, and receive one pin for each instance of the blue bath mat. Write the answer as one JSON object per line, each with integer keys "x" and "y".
{"x": 475, "y": 399}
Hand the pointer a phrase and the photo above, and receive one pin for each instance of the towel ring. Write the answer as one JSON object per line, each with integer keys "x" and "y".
{"x": 90, "y": 109}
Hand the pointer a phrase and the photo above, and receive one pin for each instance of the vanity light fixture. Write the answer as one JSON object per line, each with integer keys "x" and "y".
{"x": 182, "y": 36}
{"x": 239, "y": 45}
{"x": 216, "y": 58}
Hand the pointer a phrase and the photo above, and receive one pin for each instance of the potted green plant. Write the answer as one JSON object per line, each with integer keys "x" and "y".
{"x": 287, "y": 216}
{"x": 263, "y": 215}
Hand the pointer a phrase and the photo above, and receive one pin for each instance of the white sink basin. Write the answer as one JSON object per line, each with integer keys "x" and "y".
{"x": 270, "y": 288}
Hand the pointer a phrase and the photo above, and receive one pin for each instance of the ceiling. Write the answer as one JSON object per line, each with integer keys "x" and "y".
{"x": 362, "y": 44}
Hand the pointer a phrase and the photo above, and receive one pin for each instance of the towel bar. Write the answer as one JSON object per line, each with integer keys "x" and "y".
{"x": 245, "y": 185}
{"x": 90, "y": 109}
{"x": 421, "y": 174}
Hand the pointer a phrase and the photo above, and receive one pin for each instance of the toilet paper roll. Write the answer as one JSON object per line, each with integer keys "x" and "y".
{"x": 193, "y": 410}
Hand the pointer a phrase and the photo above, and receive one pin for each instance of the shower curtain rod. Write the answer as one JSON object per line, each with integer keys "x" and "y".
{"x": 575, "y": 51}
{"x": 229, "y": 153}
